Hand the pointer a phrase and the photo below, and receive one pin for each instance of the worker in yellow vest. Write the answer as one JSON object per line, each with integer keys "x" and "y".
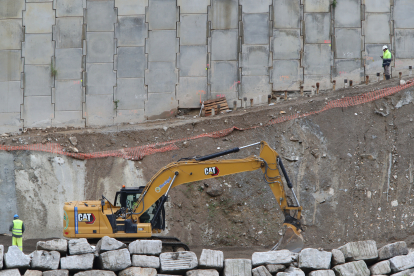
{"x": 386, "y": 62}
{"x": 17, "y": 229}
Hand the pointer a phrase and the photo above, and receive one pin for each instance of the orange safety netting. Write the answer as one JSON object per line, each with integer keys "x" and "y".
{"x": 137, "y": 153}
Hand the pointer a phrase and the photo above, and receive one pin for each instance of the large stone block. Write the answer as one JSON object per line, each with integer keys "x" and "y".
{"x": 68, "y": 96}
{"x": 292, "y": 271}
{"x": 237, "y": 267}
{"x": 256, "y": 29}
{"x": 404, "y": 273}
{"x": 100, "y": 110}
{"x": 45, "y": 260}
{"x": 68, "y": 118}
{"x": 377, "y": 28}
{"x": 255, "y": 6}
{"x": 145, "y": 247}
{"x": 256, "y": 88}
{"x": 317, "y": 6}
{"x": 224, "y": 45}
{"x": 273, "y": 269}
{"x": 391, "y": 250}
{"x": 130, "y": 93}
{"x": 131, "y": 7}
{"x": 191, "y": 91}
{"x": 400, "y": 263}
{"x": 287, "y": 44}
{"x": 286, "y": 14}
{"x": 12, "y": 30}
{"x": 255, "y": 60}
{"x": 100, "y": 15}
{"x": 361, "y": 250}
{"x": 68, "y": 32}
{"x": 59, "y": 272}
{"x": 313, "y": 259}
{"x": 38, "y": 81}
{"x": 402, "y": 14}
{"x": 162, "y": 46}
{"x": 33, "y": 273}
{"x": 192, "y": 61}
{"x": 202, "y": 272}
{"x": 380, "y": 268}
{"x": 158, "y": 71}
{"x": 80, "y": 246}
{"x": 213, "y": 259}
{"x": 162, "y": 14}
{"x": 95, "y": 273}
{"x": 160, "y": 106}
{"x": 100, "y": 47}
{"x": 348, "y": 13}
{"x": 69, "y": 8}
{"x": 129, "y": 116}
{"x": 348, "y": 43}
{"x": 14, "y": 258}
{"x": 38, "y": 49}
{"x": 68, "y": 63}
{"x": 115, "y": 260}
{"x": 223, "y": 76}
{"x": 317, "y": 27}
{"x": 261, "y": 271}
{"x": 132, "y": 271}
{"x": 337, "y": 257}
{"x": 59, "y": 245}
{"x": 286, "y": 75}
{"x": 10, "y": 65}
{"x": 146, "y": 261}
{"x": 39, "y": 18}
{"x": 317, "y": 59}
{"x": 193, "y": 29}
{"x": 224, "y": 14}
{"x": 131, "y": 30}
{"x": 404, "y": 39}
{"x": 193, "y": 6}
{"x": 11, "y": 96}
{"x": 178, "y": 261}
{"x": 284, "y": 257}
{"x": 131, "y": 62}
{"x": 10, "y": 272}
{"x": 377, "y": 5}
{"x": 100, "y": 78}
{"x": 322, "y": 273}
{"x": 37, "y": 111}
{"x": 350, "y": 69}
{"x": 353, "y": 268}
{"x": 77, "y": 262}
{"x": 12, "y": 8}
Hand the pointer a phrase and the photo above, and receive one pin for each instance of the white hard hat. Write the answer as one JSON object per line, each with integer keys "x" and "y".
{"x": 384, "y": 47}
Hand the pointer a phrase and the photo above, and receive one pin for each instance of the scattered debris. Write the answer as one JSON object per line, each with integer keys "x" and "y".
{"x": 73, "y": 140}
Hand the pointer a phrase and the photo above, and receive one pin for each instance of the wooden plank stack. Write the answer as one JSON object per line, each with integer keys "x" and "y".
{"x": 208, "y": 105}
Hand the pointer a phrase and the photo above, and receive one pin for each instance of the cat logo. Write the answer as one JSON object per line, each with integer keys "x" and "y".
{"x": 88, "y": 218}
{"x": 213, "y": 171}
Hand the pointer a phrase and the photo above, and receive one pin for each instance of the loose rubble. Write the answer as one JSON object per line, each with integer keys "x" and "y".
{"x": 143, "y": 257}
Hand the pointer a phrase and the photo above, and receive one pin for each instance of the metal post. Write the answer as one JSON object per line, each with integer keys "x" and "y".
{"x": 301, "y": 90}
{"x": 245, "y": 102}
{"x": 334, "y": 84}
{"x": 234, "y": 105}
{"x": 285, "y": 95}
{"x": 400, "y": 75}
{"x": 269, "y": 98}
{"x": 366, "y": 79}
{"x": 350, "y": 83}
{"x": 317, "y": 88}
{"x": 251, "y": 102}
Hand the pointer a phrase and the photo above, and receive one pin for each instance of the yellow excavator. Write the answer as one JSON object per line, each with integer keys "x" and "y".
{"x": 138, "y": 212}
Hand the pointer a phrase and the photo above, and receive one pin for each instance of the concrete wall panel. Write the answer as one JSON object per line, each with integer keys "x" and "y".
{"x": 224, "y": 14}
{"x": 9, "y": 122}
{"x": 191, "y": 92}
{"x": 224, "y": 45}
{"x": 129, "y": 116}
{"x": 377, "y": 28}
{"x": 68, "y": 118}
{"x": 68, "y": 63}
{"x": 286, "y": 14}
{"x": 162, "y": 14}
{"x": 38, "y": 81}
{"x": 403, "y": 17}
{"x": 100, "y": 110}
{"x": 349, "y": 69}
{"x": 68, "y": 32}
{"x": 69, "y": 8}
{"x": 100, "y": 47}
{"x": 131, "y": 31}
{"x": 317, "y": 5}
{"x": 38, "y": 49}
{"x": 224, "y": 76}
{"x": 68, "y": 96}
{"x": 130, "y": 93}
{"x": 256, "y": 28}
{"x": 348, "y": 43}
{"x": 12, "y": 8}
{"x": 317, "y": 27}
{"x": 193, "y": 6}
{"x": 377, "y": 5}
{"x": 404, "y": 43}
{"x": 38, "y": 111}
{"x": 100, "y": 16}
{"x": 10, "y": 65}
{"x": 11, "y": 33}
{"x": 39, "y": 18}
{"x": 373, "y": 62}
{"x": 131, "y": 62}
{"x": 160, "y": 105}
{"x": 317, "y": 59}
{"x": 287, "y": 44}
{"x": 162, "y": 46}
{"x": 131, "y": 7}
{"x": 311, "y": 80}
{"x": 11, "y": 96}
{"x": 256, "y": 88}
{"x": 8, "y": 188}
{"x": 193, "y": 29}
{"x": 255, "y": 6}
{"x": 192, "y": 61}
{"x": 100, "y": 78}
{"x": 286, "y": 75}
{"x": 401, "y": 65}
{"x": 348, "y": 13}
{"x": 255, "y": 60}
{"x": 161, "y": 77}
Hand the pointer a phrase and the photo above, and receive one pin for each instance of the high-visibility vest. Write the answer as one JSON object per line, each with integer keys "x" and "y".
{"x": 387, "y": 55}
{"x": 17, "y": 230}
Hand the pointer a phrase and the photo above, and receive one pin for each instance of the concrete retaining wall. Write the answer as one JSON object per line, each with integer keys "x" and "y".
{"x": 95, "y": 63}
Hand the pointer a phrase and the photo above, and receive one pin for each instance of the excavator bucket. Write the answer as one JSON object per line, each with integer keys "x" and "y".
{"x": 291, "y": 240}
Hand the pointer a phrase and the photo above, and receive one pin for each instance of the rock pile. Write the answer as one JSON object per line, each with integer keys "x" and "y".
{"x": 143, "y": 257}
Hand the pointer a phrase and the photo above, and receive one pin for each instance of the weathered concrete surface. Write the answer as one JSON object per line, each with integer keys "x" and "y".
{"x": 317, "y": 27}
{"x": 162, "y": 14}
{"x": 353, "y": 268}
{"x": 95, "y": 273}
{"x": 193, "y": 29}
{"x": 101, "y": 16}
{"x": 224, "y": 14}
{"x": 375, "y": 28}
{"x": 145, "y": 261}
{"x": 404, "y": 38}
{"x": 256, "y": 29}
{"x": 12, "y": 29}
{"x": 275, "y": 268}
{"x": 131, "y": 62}
{"x": 400, "y": 263}
{"x": 322, "y": 273}
{"x": 337, "y": 257}
{"x": 115, "y": 260}
{"x": 292, "y": 271}
{"x": 145, "y": 247}
{"x": 68, "y": 32}
{"x": 261, "y": 271}
{"x": 38, "y": 18}
{"x": 131, "y": 7}
{"x": 131, "y": 31}
{"x": 237, "y": 267}
{"x": 10, "y": 272}
{"x": 213, "y": 259}
{"x": 314, "y": 259}
{"x": 77, "y": 262}
{"x": 45, "y": 260}
{"x": 14, "y": 258}
{"x": 132, "y": 271}
{"x": 391, "y": 250}
{"x": 287, "y": 44}
{"x": 284, "y": 257}
{"x": 361, "y": 250}
{"x": 178, "y": 261}
{"x": 402, "y": 15}
{"x": 286, "y": 14}
{"x": 348, "y": 14}
{"x": 108, "y": 244}
{"x": 202, "y": 272}
{"x": 8, "y": 194}
{"x": 59, "y": 272}
{"x": 80, "y": 246}
{"x": 380, "y": 268}
{"x": 33, "y": 273}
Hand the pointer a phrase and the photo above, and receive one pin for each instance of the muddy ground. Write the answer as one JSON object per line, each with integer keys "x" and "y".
{"x": 351, "y": 167}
